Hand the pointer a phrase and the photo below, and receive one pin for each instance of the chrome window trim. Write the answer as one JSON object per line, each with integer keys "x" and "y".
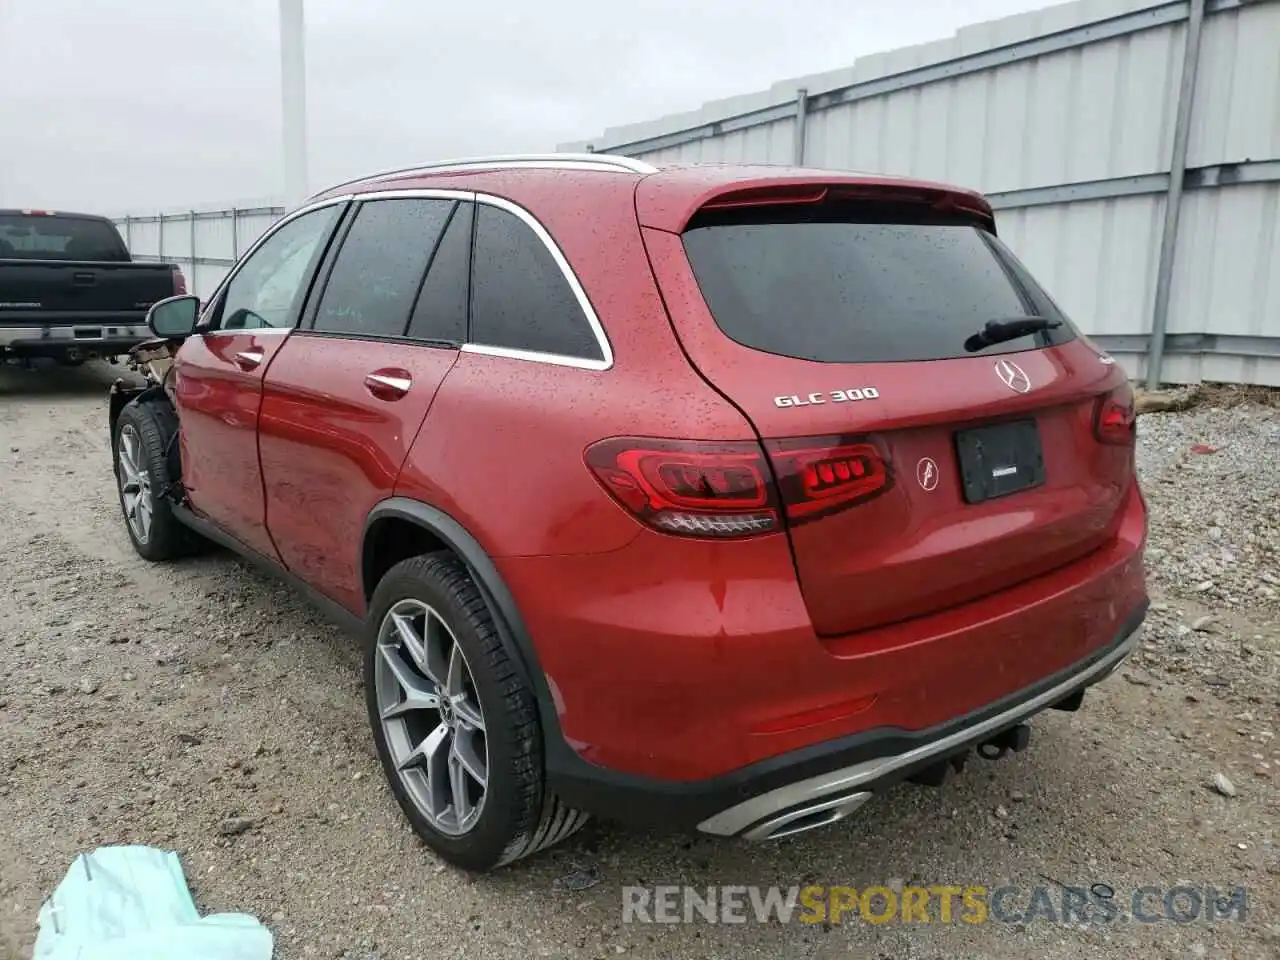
{"x": 251, "y": 331}
{"x": 429, "y": 193}
{"x": 579, "y": 294}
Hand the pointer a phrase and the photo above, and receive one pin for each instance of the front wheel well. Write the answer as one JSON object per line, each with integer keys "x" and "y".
{"x": 390, "y": 540}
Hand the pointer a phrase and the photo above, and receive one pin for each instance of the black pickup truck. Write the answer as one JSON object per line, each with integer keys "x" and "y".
{"x": 69, "y": 289}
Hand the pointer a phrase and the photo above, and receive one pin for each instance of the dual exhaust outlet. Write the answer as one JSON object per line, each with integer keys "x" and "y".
{"x": 826, "y": 811}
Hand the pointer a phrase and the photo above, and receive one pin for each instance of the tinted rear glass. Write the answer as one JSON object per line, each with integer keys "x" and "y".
{"x": 866, "y": 285}
{"x": 59, "y": 238}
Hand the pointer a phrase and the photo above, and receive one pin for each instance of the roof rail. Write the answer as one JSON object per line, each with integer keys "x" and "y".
{"x": 563, "y": 161}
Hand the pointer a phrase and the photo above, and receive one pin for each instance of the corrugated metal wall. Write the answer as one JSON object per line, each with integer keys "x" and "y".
{"x": 1066, "y": 118}
{"x": 205, "y": 243}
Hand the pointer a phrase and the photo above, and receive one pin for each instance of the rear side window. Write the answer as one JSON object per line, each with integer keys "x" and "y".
{"x": 520, "y": 298}
{"x": 862, "y": 284}
{"x": 41, "y": 237}
{"x": 375, "y": 278}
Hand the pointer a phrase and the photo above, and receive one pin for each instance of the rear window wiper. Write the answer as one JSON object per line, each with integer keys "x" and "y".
{"x": 1008, "y": 328}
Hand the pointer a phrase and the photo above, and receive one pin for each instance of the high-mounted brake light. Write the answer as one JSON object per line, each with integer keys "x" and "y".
{"x": 179, "y": 280}
{"x": 1114, "y": 419}
{"x": 770, "y": 196}
{"x": 688, "y": 487}
{"x": 819, "y": 475}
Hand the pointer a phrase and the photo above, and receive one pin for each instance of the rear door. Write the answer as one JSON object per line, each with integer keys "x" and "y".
{"x": 917, "y": 474}
{"x": 346, "y": 394}
{"x": 217, "y": 380}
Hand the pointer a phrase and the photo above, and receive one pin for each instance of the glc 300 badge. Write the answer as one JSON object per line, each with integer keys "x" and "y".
{"x": 827, "y": 396}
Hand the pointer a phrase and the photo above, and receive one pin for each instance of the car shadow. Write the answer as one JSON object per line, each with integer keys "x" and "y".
{"x": 48, "y": 378}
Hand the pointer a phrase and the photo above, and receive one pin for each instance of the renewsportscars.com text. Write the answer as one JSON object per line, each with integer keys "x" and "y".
{"x": 937, "y": 903}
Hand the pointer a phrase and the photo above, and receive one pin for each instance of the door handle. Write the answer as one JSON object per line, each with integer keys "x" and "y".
{"x": 248, "y": 359}
{"x": 389, "y": 384}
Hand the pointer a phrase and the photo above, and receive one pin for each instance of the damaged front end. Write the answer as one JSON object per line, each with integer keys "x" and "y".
{"x": 152, "y": 364}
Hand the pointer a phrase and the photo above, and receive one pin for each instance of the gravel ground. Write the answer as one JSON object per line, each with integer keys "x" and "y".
{"x": 148, "y": 704}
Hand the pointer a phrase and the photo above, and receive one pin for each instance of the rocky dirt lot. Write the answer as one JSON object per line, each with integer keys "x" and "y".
{"x": 150, "y": 704}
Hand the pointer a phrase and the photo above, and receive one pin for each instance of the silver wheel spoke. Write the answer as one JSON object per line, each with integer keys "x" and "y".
{"x": 431, "y": 759}
{"x": 419, "y": 694}
{"x": 410, "y": 641}
{"x": 462, "y": 806}
{"x": 129, "y": 455}
{"x": 135, "y": 485}
{"x": 464, "y": 751}
{"x": 437, "y": 639}
{"x": 468, "y": 713}
{"x": 453, "y": 685}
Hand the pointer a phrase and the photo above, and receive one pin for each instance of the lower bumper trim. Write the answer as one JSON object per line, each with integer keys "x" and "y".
{"x": 768, "y": 815}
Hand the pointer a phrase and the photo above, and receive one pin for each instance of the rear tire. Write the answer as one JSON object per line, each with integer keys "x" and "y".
{"x": 431, "y": 640}
{"x": 145, "y": 474}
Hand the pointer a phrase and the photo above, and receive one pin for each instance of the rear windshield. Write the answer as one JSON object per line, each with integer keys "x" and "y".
{"x": 861, "y": 284}
{"x": 40, "y": 237}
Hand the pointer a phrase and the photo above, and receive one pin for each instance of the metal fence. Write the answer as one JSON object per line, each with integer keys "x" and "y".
{"x": 1130, "y": 147}
{"x": 205, "y": 243}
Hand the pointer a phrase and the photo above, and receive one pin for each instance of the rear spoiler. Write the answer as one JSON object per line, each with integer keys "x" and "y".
{"x": 672, "y": 205}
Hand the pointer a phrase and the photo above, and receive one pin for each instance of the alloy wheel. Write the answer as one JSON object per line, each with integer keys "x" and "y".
{"x": 431, "y": 717}
{"x": 135, "y": 484}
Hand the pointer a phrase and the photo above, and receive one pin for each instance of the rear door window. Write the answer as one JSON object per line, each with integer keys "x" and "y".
{"x": 380, "y": 267}
{"x": 865, "y": 283}
{"x": 520, "y": 298}
{"x": 45, "y": 237}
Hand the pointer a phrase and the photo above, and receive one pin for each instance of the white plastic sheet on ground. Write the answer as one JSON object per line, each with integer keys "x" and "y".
{"x": 132, "y": 903}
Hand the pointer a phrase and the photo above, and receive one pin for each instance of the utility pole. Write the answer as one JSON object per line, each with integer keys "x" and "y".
{"x": 293, "y": 101}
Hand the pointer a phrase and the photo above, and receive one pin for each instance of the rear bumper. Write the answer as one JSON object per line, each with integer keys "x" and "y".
{"x": 765, "y": 799}
{"x": 84, "y": 340}
{"x": 678, "y": 680}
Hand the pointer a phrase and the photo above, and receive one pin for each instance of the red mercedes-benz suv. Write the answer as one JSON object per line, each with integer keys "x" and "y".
{"x": 710, "y": 496}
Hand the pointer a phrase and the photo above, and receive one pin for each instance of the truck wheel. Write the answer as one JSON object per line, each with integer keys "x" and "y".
{"x": 455, "y": 724}
{"x": 143, "y": 479}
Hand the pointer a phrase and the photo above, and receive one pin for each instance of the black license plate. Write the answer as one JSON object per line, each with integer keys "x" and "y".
{"x": 999, "y": 460}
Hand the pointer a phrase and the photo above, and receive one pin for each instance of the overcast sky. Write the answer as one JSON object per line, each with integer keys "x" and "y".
{"x": 118, "y": 106}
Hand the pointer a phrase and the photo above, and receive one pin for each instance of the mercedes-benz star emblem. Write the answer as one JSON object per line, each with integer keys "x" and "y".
{"x": 927, "y": 474}
{"x": 1013, "y": 376}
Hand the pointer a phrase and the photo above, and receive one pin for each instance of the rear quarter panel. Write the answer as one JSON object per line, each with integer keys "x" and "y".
{"x": 501, "y": 449}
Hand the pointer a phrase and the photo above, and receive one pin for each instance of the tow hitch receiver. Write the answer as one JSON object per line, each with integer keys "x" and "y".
{"x": 936, "y": 774}
{"x": 1070, "y": 703}
{"x": 1014, "y": 740}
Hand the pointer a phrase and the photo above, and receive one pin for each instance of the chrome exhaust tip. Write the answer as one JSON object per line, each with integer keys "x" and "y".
{"x": 822, "y": 813}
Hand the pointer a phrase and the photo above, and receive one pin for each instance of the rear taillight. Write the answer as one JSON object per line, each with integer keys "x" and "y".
{"x": 688, "y": 487}
{"x": 701, "y": 488}
{"x": 820, "y": 475}
{"x": 179, "y": 281}
{"x": 1114, "y": 418}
